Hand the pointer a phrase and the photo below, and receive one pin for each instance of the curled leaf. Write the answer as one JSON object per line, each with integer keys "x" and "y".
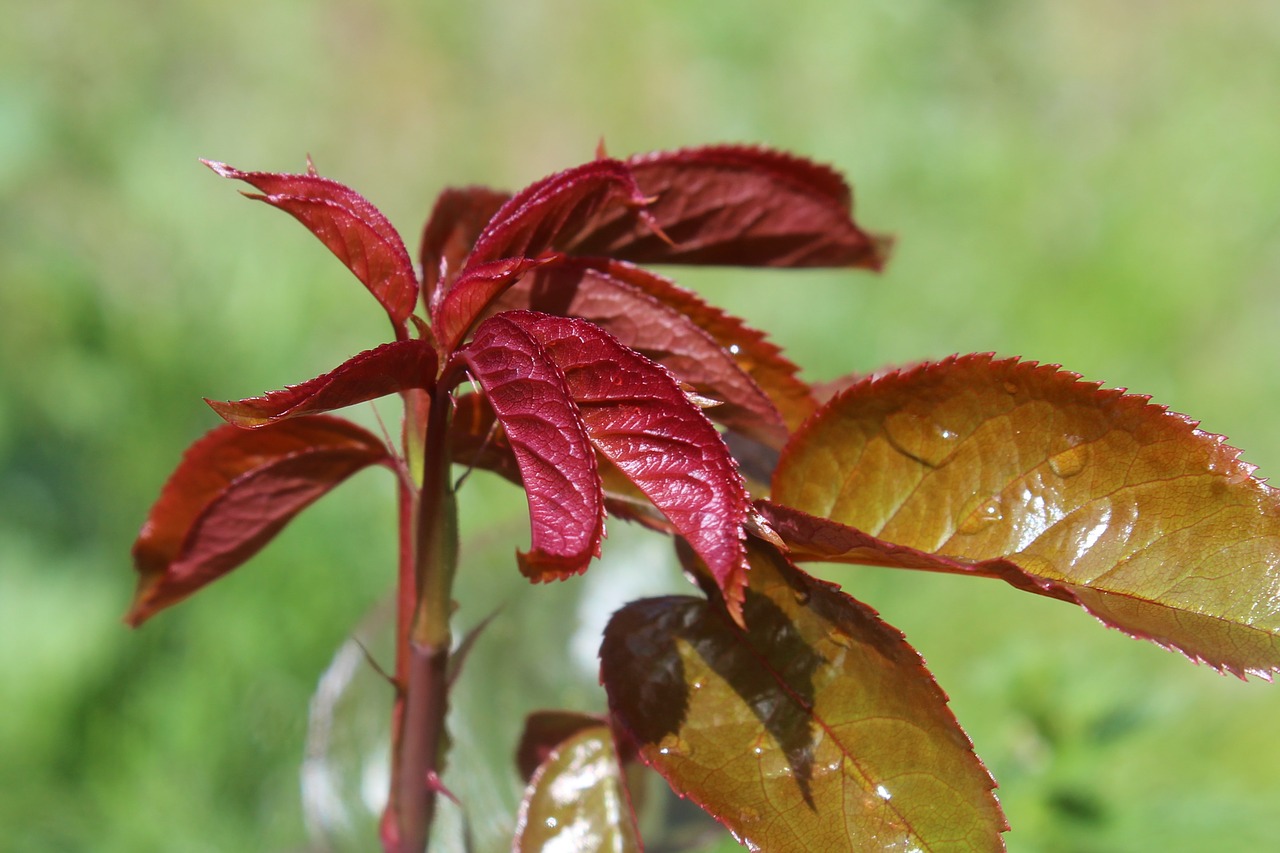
{"x": 232, "y": 493}
{"x": 473, "y": 291}
{"x": 1154, "y": 526}
{"x": 388, "y": 369}
{"x": 353, "y": 229}
{"x": 815, "y": 728}
{"x": 640, "y": 419}
{"x": 557, "y": 464}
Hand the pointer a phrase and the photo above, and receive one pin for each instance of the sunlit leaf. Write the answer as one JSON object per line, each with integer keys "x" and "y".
{"x": 387, "y": 369}
{"x": 816, "y": 728}
{"x": 353, "y": 229}
{"x": 663, "y": 322}
{"x": 557, "y": 463}
{"x": 232, "y": 493}
{"x": 549, "y": 213}
{"x": 576, "y": 800}
{"x": 734, "y": 205}
{"x": 1154, "y": 526}
{"x": 546, "y": 730}
{"x": 459, "y": 215}
{"x": 639, "y": 419}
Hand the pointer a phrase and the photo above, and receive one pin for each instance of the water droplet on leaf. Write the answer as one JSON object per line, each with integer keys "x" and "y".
{"x": 921, "y": 438}
{"x": 980, "y": 514}
{"x": 1070, "y": 456}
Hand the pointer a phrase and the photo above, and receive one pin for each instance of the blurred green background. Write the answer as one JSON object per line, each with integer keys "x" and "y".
{"x": 1092, "y": 183}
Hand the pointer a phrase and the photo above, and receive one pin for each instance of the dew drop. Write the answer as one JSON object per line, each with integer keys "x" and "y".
{"x": 758, "y": 751}
{"x": 801, "y": 595}
{"x": 1011, "y": 387}
{"x": 1070, "y": 456}
{"x": 697, "y": 685}
{"x": 552, "y": 823}
{"x": 734, "y": 349}
{"x": 979, "y": 515}
{"x": 921, "y": 438}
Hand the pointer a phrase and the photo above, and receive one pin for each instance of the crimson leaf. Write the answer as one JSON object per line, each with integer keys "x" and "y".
{"x": 388, "y": 369}
{"x": 232, "y": 493}
{"x": 457, "y": 219}
{"x": 353, "y": 229}
{"x": 529, "y": 394}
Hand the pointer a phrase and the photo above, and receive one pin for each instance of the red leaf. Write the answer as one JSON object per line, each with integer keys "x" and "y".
{"x": 651, "y": 315}
{"x": 374, "y": 373}
{"x": 232, "y": 493}
{"x": 557, "y": 463}
{"x": 640, "y": 420}
{"x": 471, "y": 293}
{"x": 457, "y": 219}
{"x": 545, "y": 214}
{"x": 733, "y": 205}
{"x": 349, "y": 225}
{"x": 1155, "y": 527}
{"x": 815, "y": 728}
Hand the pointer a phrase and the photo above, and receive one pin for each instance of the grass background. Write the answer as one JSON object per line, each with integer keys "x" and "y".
{"x": 1090, "y": 183}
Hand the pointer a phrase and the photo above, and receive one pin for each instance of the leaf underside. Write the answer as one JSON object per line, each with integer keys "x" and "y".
{"x": 232, "y": 493}
{"x": 1154, "y": 526}
{"x": 816, "y": 728}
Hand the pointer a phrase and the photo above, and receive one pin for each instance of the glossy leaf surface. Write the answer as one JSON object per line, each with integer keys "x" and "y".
{"x": 733, "y": 205}
{"x": 636, "y": 307}
{"x": 472, "y": 292}
{"x": 576, "y": 799}
{"x": 1155, "y": 527}
{"x": 816, "y": 728}
{"x": 640, "y": 420}
{"x": 232, "y": 493}
{"x": 353, "y": 229}
{"x": 557, "y": 463}
{"x": 387, "y": 369}
{"x": 550, "y": 213}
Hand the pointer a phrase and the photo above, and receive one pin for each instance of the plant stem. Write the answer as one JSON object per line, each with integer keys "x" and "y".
{"x": 425, "y": 652}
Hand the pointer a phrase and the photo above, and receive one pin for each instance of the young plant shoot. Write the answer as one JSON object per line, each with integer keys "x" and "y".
{"x": 533, "y": 340}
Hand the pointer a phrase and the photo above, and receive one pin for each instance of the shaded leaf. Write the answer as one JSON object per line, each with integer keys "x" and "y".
{"x": 733, "y": 205}
{"x": 374, "y": 373}
{"x": 816, "y": 728}
{"x": 547, "y": 214}
{"x": 544, "y": 731}
{"x": 651, "y": 315}
{"x": 638, "y": 417}
{"x": 557, "y": 464}
{"x": 232, "y": 493}
{"x": 1154, "y": 526}
{"x": 459, "y": 215}
{"x": 353, "y": 229}
{"x": 577, "y": 801}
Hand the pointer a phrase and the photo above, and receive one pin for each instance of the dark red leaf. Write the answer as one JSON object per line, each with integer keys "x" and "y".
{"x": 557, "y": 463}
{"x": 349, "y": 225}
{"x": 732, "y": 205}
{"x": 640, "y": 420}
{"x": 1154, "y": 526}
{"x": 548, "y": 213}
{"x": 815, "y": 728}
{"x": 459, "y": 215}
{"x": 652, "y": 316}
{"x": 232, "y": 493}
{"x": 388, "y": 369}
